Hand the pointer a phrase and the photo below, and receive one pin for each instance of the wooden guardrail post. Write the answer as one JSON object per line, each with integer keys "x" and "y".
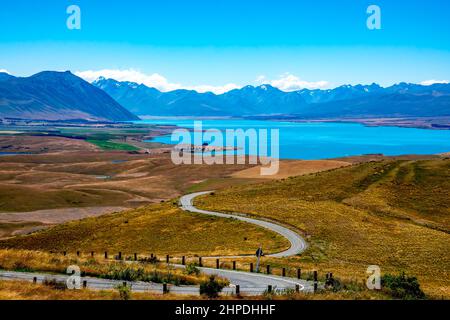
{"x": 297, "y": 288}
{"x": 34, "y": 280}
{"x": 85, "y": 284}
{"x": 238, "y": 290}
{"x": 120, "y": 255}
{"x": 284, "y": 272}
{"x": 217, "y": 264}
{"x": 106, "y": 254}
{"x": 92, "y": 254}
{"x": 135, "y": 257}
{"x": 167, "y": 259}
{"x": 268, "y": 269}
{"x": 269, "y": 289}
{"x": 183, "y": 260}
{"x": 200, "y": 262}
{"x": 299, "y": 273}
{"x": 64, "y": 253}
{"x": 234, "y": 265}
{"x": 315, "y": 281}
{"x": 78, "y": 253}
{"x": 251, "y": 266}
{"x": 165, "y": 289}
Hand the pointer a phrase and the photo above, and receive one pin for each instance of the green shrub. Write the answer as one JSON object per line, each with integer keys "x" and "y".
{"x": 333, "y": 284}
{"x": 402, "y": 287}
{"x": 130, "y": 273}
{"x": 21, "y": 267}
{"x": 124, "y": 292}
{"x": 211, "y": 288}
{"x": 192, "y": 269}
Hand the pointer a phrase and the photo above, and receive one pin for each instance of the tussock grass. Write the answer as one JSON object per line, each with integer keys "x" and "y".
{"x": 92, "y": 179}
{"x": 33, "y": 261}
{"x": 160, "y": 229}
{"x": 20, "y": 290}
{"x": 394, "y": 214}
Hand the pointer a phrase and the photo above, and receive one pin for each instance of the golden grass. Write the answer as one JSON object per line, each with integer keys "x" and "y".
{"x": 8, "y": 229}
{"x": 87, "y": 179}
{"x": 289, "y": 168}
{"x": 34, "y": 261}
{"x": 21, "y": 290}
{"x": 36, "y": 144}
{"x": 160, "y": 229}
{"x": 390, "y": 213}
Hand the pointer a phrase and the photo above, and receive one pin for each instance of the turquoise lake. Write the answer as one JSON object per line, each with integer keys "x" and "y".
{"x": 330, "y": 140}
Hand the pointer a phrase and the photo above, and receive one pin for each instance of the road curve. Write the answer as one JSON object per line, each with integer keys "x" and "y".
{"x": 298, "y": 244}
{"x": 249, "y": 283}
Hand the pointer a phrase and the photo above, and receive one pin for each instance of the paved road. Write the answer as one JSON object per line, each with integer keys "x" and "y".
{"x": 298, "y": 244}
{"x": 250, "y": 283}
{"x": 92, "y": 283}
{"x": 257, "y": 283}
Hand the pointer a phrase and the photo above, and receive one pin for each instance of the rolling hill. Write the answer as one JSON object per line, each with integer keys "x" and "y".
{"x": 390, "y": 213}
{"x": 57, "y": 96}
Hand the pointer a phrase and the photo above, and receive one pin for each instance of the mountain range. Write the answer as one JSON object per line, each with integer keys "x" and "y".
{"x": 63, "y": 96}
{"x": 142, "y": 100}
{"x": 362, "y": 101}
{"x": 57, "y": 96}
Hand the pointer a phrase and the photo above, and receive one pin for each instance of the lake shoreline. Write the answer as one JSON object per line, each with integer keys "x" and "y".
{"x": 415, "y": 123}
{"x": 306, "y": 140}
{"x": 429, "y": 123}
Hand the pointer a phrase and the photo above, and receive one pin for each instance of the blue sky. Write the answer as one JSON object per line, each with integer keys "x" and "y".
{"x": 221, "y": 44}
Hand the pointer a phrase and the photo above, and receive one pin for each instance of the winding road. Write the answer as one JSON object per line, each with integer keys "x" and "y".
{"x": 249, "y": 283}
{"x": 298, "y": 244}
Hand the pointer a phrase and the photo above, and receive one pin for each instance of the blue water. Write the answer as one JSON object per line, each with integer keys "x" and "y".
{"x": 6, "y": 154}
{"x": 330, "y": 140}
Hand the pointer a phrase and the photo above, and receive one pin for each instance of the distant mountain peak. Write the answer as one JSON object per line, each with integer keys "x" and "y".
{"x": 57, "y": 76}
{"x": 51, "y": 95}
{"x": 5, "y": 76}
{"x": 268, "y": 87}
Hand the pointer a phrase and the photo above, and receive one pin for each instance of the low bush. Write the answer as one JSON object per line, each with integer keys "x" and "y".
{"x": 21, "y": 267}
{"x": 192, "y": 269}
{"x": 124, "y": 292}
{"x": 54, "y": 284}
{"x": 211, "y": 288}
{"x": 402, "y": 287}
